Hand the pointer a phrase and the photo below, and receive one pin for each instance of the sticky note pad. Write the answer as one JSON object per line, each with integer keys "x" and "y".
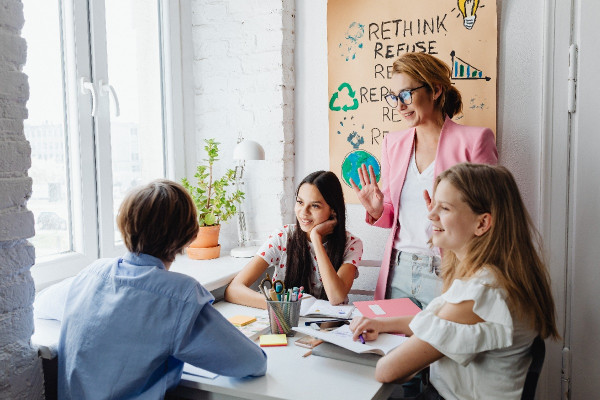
{"x": 273, "y": 340}
{"x": 241, "y": 320}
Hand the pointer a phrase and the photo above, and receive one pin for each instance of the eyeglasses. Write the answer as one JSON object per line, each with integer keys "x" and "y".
{"x": 404, "y": 96}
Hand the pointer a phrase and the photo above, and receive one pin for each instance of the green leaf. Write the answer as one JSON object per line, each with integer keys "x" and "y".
{"x": 210, "y": 219}
{"x": 222, "y": 202}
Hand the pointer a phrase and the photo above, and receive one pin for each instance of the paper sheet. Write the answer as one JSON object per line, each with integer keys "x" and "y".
{"x": 312, "y": 307}
{"x": 191, "y": 370}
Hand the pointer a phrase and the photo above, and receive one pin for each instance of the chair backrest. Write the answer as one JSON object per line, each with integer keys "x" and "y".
{"x": 363, "y": 288}
{"x": 538, "y": 353}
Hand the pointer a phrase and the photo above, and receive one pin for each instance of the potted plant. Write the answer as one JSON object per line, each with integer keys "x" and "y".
{"x": 214, "y": 202}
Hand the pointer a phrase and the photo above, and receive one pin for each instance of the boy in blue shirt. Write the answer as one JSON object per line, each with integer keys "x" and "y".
{"x": 129, "y": 324}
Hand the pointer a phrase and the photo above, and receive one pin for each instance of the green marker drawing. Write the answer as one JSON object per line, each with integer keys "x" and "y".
{"x": 345, "y": 107}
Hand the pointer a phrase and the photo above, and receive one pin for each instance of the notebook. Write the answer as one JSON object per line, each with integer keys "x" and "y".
{"x": 342, "y": 337}
{"x": 311, "y": 307}
{"x": 387, "y": 308}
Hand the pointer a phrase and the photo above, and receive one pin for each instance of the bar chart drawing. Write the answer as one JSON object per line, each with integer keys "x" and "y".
{"x": 463, "y": 70}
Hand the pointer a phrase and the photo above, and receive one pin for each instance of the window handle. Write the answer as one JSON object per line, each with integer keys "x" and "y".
{"x": 106, "y": 88}
{"x": 87, "y": 86}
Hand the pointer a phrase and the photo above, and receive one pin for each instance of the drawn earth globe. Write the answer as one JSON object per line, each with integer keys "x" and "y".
{"x": 354, "y": 160}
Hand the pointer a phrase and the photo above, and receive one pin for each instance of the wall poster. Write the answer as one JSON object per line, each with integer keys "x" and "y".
{"x": 366, "y": 37}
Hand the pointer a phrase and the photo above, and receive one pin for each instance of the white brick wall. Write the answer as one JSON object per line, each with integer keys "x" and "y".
{"x": 20, "y": 367}
{"x": 244, "y": 84}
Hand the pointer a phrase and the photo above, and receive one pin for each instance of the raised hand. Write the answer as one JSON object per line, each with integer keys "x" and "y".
{"x": 369, "y": 195}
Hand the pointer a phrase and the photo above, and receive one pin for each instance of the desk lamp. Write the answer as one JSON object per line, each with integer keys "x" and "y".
{"x": 245, "y": 150}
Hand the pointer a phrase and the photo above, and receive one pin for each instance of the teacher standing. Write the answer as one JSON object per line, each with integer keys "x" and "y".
{"x": 421, "y": 91}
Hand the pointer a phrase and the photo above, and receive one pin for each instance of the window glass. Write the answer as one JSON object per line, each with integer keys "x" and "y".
{"x": 45, "y": 128}
{"x": 134, "y": 68}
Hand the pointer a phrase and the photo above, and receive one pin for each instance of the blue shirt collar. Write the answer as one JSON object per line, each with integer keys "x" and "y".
{"x": 142, "y": 259}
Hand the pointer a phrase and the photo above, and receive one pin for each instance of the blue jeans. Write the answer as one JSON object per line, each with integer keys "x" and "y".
{"x": 414, "y": 276}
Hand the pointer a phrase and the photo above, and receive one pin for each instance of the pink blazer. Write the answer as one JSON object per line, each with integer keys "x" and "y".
{"x": 458, "y": 143}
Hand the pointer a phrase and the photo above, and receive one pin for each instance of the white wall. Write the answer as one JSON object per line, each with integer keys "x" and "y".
{"x": 244, "y": 84}
{"x": 20, "y": 367}
{"x": 520, "y": 127}
{"x": 519, "y": 102}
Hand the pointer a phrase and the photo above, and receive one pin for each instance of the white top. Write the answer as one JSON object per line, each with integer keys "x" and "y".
{"x": 274, "y": 252}
{"x": 487, "y": 360}
{"x": 415, "y": 228}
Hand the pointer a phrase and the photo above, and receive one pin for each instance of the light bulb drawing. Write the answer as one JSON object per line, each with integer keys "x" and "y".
{"x": 468, "y": 8}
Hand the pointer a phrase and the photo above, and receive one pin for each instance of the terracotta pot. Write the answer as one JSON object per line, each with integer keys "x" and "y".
{"x": 208, "y": 236}
{"x": 206, "y": 245}
{"x": 204, "y": 253}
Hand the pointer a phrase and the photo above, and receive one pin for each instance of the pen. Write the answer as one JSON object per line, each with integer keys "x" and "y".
{"x": 362, "y": 339}
{"x": 307, "y": 323}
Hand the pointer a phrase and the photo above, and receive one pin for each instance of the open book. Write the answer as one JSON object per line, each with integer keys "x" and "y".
{"x": 342, "y": 337}
{"x": 311, "y": 307}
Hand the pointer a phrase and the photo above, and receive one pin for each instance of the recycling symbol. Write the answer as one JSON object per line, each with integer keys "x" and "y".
{"x": 345, "y": 107}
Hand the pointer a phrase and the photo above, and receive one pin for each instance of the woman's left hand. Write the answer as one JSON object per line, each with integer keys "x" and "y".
{"x": 323, "y": 229}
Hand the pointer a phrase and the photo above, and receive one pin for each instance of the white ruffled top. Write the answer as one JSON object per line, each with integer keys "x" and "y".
{"x": 487, "y": 360}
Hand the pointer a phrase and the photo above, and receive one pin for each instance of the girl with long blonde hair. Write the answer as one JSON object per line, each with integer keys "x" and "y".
{"x": 496, "y": 295}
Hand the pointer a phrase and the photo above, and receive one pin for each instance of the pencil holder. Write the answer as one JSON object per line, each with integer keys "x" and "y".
{"x": 283, "y": 315}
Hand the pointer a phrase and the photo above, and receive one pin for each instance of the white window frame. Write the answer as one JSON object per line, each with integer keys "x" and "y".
{"x": 88, "y": 245}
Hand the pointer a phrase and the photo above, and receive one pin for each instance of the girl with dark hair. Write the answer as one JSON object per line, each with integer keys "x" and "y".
{"x": 317, "y": 252}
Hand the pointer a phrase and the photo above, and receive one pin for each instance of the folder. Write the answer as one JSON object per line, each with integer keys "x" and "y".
{"x": 387, "y": 308}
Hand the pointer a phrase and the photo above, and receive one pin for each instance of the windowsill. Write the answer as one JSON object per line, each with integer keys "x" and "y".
{"x": 51, "y": 270}
{"x": 212, "y": 274}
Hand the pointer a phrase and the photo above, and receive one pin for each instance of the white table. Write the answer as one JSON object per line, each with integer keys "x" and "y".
{"x": 289, "y": 375}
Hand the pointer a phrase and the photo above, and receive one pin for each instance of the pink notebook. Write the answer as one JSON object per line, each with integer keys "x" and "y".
{"x": 387, "y": 308}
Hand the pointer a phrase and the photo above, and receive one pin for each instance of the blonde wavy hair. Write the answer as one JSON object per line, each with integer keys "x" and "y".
{"x": 507, "y": 248}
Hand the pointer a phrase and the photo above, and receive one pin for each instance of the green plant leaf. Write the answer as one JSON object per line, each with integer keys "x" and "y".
{"x": 214, "y": 200}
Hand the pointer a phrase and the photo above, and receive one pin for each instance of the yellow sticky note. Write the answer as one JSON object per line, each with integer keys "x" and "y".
{"x": 273, "y": 340}
{"x": 241, "y": 320}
